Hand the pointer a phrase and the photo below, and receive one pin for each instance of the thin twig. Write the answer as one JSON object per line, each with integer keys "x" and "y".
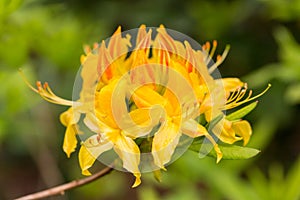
{"x": 60, "y": 189}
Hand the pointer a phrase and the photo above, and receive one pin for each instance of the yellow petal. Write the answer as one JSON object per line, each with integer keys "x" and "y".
{"x": 103, "y": 104}
{"x": 69, "y": 117}
{"x": 193, "y": 129}
{"x": 146, "y": 97}
{"x": 118, "y": 45}
{"x": 200, "y": 89}
{"x": 86, "y": 160}
{"x": 180, "y": 70}
{"x": 65, "y": 117}
{"x": 129, "y": 153}
{"x": 173, "y": 106}
{"x": 165, "y": 39}
{"x": 82, "y": 59}
{"x": 89, "y": 72}
{"x": 141, "y": 54}
{"x": 70, "y": 140}
{"x": 243, "y": 129}
{"x": 137, "y": 180}
{"x": 89, "y": 152}
{"x": 105, "y": 63}
{"x": 216, "y": 147}
{"x": 142, "y": 121}
{"x": 96, "y": 125}
{"x": 142, "y": 116}
{"x": 201, "y": 67}
{"x": 157, "y": 175}
{"x": 164, "y": 143}
{"x": 141, "y": 34}
{"x": 231, "y": 84}
{"x": 224, "y": 131}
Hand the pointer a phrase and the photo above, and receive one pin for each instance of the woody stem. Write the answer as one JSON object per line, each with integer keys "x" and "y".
{"x": 60, "y": 189}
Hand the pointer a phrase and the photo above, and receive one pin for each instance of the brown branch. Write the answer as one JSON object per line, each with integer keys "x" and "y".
{"x": 60, "y": 189}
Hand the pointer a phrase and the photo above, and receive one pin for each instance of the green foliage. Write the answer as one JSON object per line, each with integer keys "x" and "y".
{"x": 278, "y": 186}
{"x": 287, "y": 70}
{"x": 241, "y": 112}
{"x": 232, "y": 152}
{"x": 13, "y": 98}
{"x": 8, "y": 6}
{"x": 283, "y": 10}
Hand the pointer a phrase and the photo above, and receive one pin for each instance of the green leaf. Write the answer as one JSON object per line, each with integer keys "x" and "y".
{"x": 241, "y": 112}
{"x": 292, "y": 94}
{"x": 214, "y": 122}
{"x": 292, "y": 181}
{"x": 232, "y": 152}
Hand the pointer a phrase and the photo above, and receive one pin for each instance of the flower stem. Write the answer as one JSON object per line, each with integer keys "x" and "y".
{"x": 60, "y": 189}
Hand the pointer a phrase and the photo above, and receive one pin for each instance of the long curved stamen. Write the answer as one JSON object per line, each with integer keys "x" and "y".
{"x": 235, "y": 100}
{"x": 214, "y": 47}
{"x": 206, "y": 49}
{"x": 45, "y": 92}
{"x": 233, "y": 95}
{"x": 220, "y": 59}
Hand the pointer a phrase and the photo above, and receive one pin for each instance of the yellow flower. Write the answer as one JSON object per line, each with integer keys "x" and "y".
{"x": 111, "y": 135}
{"x": 149, "y": 93}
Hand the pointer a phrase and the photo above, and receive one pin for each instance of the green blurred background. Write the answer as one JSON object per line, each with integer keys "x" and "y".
{"x": 45, "y": 39}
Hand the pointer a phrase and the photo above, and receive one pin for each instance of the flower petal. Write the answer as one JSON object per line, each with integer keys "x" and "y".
{"x": 173, "y": 106}
{"x": 231, "y": 84}
{"x": 142, "y": 121}
{"x": 89, "y": 152}
{"x": 146, "y": 97}
{"x": 118, "y": 45}
{"x": 224, "y": 131}
{"x": 89, "y": 74}
{"x": 137, "y": 181}
{"x": 243, "y": 129}
{"x": 103, "y": 104}
{"x": 70, "y": 140}
{"x": 157, "y": 175}
{"x": 164, "y": 143}
{"x": 69, "y": 117}
{"x": 95, "y": 124}
{"x": 129, "y": 153}
{"x": 193, "y": 129}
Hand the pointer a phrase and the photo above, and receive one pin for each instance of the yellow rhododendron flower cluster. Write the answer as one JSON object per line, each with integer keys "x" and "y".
{"x": 142, "y": 94}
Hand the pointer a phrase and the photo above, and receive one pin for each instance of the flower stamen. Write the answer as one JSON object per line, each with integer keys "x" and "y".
{"x": 235, "y": 99}
{"x": 45, "y": 92}
{"x": 220, "y": 59}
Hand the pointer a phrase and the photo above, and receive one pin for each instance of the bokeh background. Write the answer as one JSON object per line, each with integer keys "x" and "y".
{"x": 45, "y": 39}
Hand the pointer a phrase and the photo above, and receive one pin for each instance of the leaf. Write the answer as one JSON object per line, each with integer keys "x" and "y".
{"x": 241, "y": 112}
{"x": 292, "y": 181}
{"x": 259, "y": 182}
{"x": 232, "y": 152}
{"x": 214, "y": 122}
{"x": 292, "y": 94}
